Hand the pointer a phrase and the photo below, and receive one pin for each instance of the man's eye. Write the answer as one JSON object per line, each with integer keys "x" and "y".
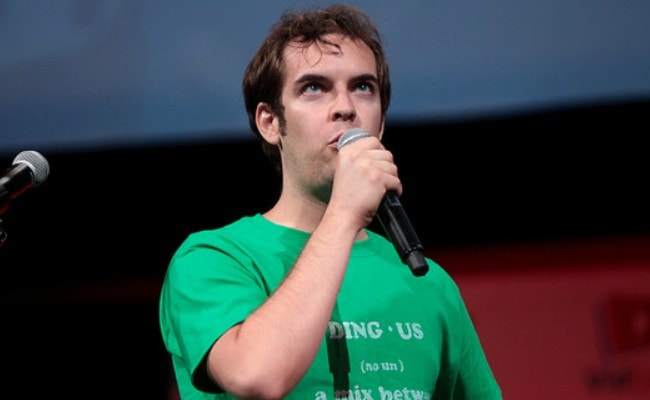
{"x": 312, "y": 88}
{"x": 365, "y": 87}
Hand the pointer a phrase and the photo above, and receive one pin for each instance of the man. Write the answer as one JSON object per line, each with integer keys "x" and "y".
{"x": 303, "y": 301}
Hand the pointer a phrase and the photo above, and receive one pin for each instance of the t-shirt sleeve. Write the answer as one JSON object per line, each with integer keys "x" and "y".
{"x": 209, "y": 288}
{"x": 469, "y": 376}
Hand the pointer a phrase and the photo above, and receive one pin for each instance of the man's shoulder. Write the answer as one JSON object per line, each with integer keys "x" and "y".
{"x": 242, "y": 224}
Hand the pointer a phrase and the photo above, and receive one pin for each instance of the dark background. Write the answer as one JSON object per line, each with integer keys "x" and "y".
{"x": 87, "y": 250}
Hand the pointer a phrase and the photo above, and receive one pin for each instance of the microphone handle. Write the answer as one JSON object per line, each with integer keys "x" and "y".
{"x": 398, "y": 227}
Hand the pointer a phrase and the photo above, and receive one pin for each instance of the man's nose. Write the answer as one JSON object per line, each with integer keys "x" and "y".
{"x": 344, "y": 107}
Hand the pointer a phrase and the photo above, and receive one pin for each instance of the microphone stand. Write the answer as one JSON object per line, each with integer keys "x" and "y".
{"x": 3, "y": 234}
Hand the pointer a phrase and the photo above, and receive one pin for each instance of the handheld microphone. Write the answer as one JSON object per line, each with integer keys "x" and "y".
{"x": 393, "y": 219}
{"x": 29, "y": 169}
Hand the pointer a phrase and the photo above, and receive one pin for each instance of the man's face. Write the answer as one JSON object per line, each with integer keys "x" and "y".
{"x": 327, "y": 91}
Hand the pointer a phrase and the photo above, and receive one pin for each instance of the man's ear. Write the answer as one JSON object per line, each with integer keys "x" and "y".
{"x": 267, "y": 123}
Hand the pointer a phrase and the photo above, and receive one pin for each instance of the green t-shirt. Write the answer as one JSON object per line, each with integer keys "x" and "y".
{"x": 391, "y": 336}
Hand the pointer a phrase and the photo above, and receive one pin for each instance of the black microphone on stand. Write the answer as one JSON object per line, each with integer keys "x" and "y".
{"x": 29, "y": 169}
{"x": 393, "y": 219}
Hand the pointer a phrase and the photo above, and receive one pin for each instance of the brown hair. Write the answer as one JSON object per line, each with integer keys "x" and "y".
{"x": 264, "y": 75}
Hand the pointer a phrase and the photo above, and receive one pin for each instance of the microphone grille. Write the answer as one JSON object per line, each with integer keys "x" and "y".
{"x": 36, "y": 163}
{"x": 351, "y": 135}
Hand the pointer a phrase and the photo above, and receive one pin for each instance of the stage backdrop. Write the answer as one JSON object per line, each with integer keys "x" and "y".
{"x": 562, "y": 320}
{"x": 79, "y": 75}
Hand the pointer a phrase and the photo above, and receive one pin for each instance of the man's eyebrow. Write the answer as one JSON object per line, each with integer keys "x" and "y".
{"x": 322, "y": 78}
{"x": 366, "y": 77}
{"x": 310, "y": 78}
